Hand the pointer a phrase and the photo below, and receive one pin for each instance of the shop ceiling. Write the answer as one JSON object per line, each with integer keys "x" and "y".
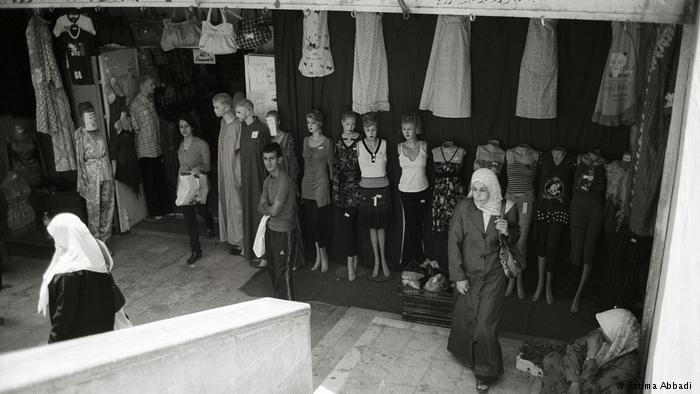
{"x": 655, "y": 11}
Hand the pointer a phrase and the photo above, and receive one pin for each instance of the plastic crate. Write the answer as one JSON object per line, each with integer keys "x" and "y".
{"x": 427, "y": 307}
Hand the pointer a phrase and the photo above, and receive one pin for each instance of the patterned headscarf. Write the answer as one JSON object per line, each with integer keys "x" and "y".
{"x": 488, "y": 178}
{"x": 622, "y": 328}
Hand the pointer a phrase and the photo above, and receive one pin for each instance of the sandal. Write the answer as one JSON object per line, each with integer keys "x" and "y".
{"x": 481, "y": 386}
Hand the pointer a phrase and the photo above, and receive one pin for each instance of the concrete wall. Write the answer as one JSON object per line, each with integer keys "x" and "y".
{"x": 260, "y": 346}
{"x": 675, "y": 345}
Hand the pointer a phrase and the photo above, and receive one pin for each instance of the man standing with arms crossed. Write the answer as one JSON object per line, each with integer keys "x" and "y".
{"x": 278, "y": 200}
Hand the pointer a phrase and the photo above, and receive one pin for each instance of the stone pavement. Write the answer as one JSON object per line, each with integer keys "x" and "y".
{"x": 353, "y": 349}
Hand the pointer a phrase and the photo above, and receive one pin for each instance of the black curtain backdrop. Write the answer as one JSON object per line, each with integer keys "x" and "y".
{"x": 497, "y": 46}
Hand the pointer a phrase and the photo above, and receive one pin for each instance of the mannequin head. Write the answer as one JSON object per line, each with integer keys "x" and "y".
{"x": 314, "y": 121}
{"x": 244, "y": 110}
{"x": 222, "y": 103}
{"x": 370, "y": 123}
{"x": 410, "y": 126}
{"x": 348, "y": 119}
{"x": 88, "y": 118}
{"x": 146, "y": 84}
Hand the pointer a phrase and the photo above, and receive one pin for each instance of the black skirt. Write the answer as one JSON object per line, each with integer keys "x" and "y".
{"x": 375, "y": 207}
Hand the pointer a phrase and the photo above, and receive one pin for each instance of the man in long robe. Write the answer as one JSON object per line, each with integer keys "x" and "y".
{"x": 229, "y": 170}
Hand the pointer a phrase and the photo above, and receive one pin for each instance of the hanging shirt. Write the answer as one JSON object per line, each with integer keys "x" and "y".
{"x": 68, "y": 20}
{"x": 79, "y": 47}
{"x": 617, "y": 97}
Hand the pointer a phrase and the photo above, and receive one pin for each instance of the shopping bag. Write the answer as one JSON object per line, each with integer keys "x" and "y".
{"x": 186, "y": 189}
{"x": 185, "y": 34}
{"x": 259, "y": 244}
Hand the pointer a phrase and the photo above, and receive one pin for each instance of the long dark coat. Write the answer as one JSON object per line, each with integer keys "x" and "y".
{"x": 473, "y": 255}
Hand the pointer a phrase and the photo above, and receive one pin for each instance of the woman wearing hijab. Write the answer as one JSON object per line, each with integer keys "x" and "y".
{"x": 473, "y": 244}
{"x": 77, "y": 288}
{"x": 599, "y": 361}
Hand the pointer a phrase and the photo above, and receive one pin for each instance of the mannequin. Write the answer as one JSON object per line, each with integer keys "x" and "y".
{"x": 315, "y": 185}
{"x": 554, "y": 196}
{"x": 587, "y": 206}
{"x": 346, "y": 189}
{"x": 490, "y": 156}
{"x": 25, "y": 160}
{"x": 448, "y": 186}
{"x": 375, "y": 194}
{"x": 95, "y": 178}
{"x": 413, "y": 188}
{"x": 21, "y": 218}
{"x": 521, "y": 168}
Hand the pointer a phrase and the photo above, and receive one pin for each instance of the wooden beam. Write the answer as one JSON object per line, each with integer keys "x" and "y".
{"x": 655, "y": 11}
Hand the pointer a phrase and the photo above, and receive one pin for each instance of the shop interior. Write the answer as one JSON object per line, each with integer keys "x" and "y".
{"x": 621, "y": 257}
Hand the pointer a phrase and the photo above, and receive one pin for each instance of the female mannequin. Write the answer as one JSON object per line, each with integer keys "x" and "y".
{"x": 448, "y": 187}
{"x": 521, "y": 168}
{"x": 21, "y": 218}
{"x": 374, "y": 190}
{"x": 586, "y": 215}
{"x": 95, "y": 178}
{"x": 552, "y": 213}
{"x": 315, "y": 185}
{"x": 413, "y": 188}
{"x": 346, "y": 189}
{"x": 490, "y": 156}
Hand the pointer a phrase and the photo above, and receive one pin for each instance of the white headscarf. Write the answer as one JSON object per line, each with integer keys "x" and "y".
{"x": 622, "y": 328}
{"x": 76, "y": 250}
{"x": 488, "y": 178}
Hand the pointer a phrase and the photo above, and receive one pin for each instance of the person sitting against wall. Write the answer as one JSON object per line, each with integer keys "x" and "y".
{"x": 599, "y": 361}
{"x": 193, "y": 156}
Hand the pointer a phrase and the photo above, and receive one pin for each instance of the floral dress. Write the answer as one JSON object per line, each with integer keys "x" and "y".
{"x": 447, "y": 191}
{"x": 346, "y": 175}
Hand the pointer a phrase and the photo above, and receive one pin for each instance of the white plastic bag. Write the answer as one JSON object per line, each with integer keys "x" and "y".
{"x": 259, "y": 244}
{"x": 191, "y": 189}
{"x": 121, "y": 321}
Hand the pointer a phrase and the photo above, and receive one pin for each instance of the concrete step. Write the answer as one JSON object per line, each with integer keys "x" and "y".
{"x": 392, "y": 356}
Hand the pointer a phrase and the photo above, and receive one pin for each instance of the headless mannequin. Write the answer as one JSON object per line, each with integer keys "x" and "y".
{"x": 586, "y": 215}
{"x": 558, "y": 154}
{"x": 523, "y": 160}
{"x": 490, "y": 156}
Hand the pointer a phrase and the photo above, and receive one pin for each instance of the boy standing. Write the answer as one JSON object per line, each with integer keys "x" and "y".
{"x": 278, "y": 200}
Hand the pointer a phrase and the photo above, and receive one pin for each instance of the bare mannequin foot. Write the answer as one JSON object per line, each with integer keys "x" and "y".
{"x": 538, "y": 294}
{"x": 550, "y": 297}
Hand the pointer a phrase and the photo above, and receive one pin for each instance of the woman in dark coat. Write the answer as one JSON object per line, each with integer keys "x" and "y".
{"x": 77, "y": 288}
{"x": 473, "y": 247}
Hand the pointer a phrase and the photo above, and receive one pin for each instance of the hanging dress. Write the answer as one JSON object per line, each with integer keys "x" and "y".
{"x": 316, "y": 59}
{"x": 617, "y": 97}
{"x": 448, "y": 188}
{"x": 53, "y": 114}
{"x": 448, "y": 80}
{"x": 370, "y": 77}
{"x": 537, "y": 86}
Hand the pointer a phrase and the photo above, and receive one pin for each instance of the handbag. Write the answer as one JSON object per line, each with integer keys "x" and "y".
{"x": 191, "y": 189}
{"x": 185, "y": 34}
{"x": 147, "y": 31}
{"x": 252, "y": 33}
{"x": 509, "y": 257}
{"x": 217, "y": 39}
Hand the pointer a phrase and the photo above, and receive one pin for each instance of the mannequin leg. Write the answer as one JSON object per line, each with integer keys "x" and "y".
{"x": 510, "y": 287}
{"x": 324, "y": 258}
{"x": 351, "y": 269}
{"x": 382, "y": 239}
{"x": 541, "y": 264}
{"x": 375, "y": 248}
{"x": 584, "y": 278}
{"x": 548, "y": 293}
{"x": 521, "y": 287}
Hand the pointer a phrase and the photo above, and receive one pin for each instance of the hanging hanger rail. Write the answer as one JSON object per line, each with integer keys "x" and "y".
{"x": 404, "y": 9}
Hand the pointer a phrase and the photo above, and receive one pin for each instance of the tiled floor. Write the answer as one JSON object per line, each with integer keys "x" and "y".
{"x": 393, "y": 356}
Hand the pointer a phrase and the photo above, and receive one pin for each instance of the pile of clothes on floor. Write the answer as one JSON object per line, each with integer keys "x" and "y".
{"x": 425, "y": 276}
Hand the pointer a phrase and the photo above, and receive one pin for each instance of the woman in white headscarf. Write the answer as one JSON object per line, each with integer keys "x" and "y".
{"x": 77, "y": 288}
{"x": 599, "y": 361}
{"x": 477, "y": 224}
